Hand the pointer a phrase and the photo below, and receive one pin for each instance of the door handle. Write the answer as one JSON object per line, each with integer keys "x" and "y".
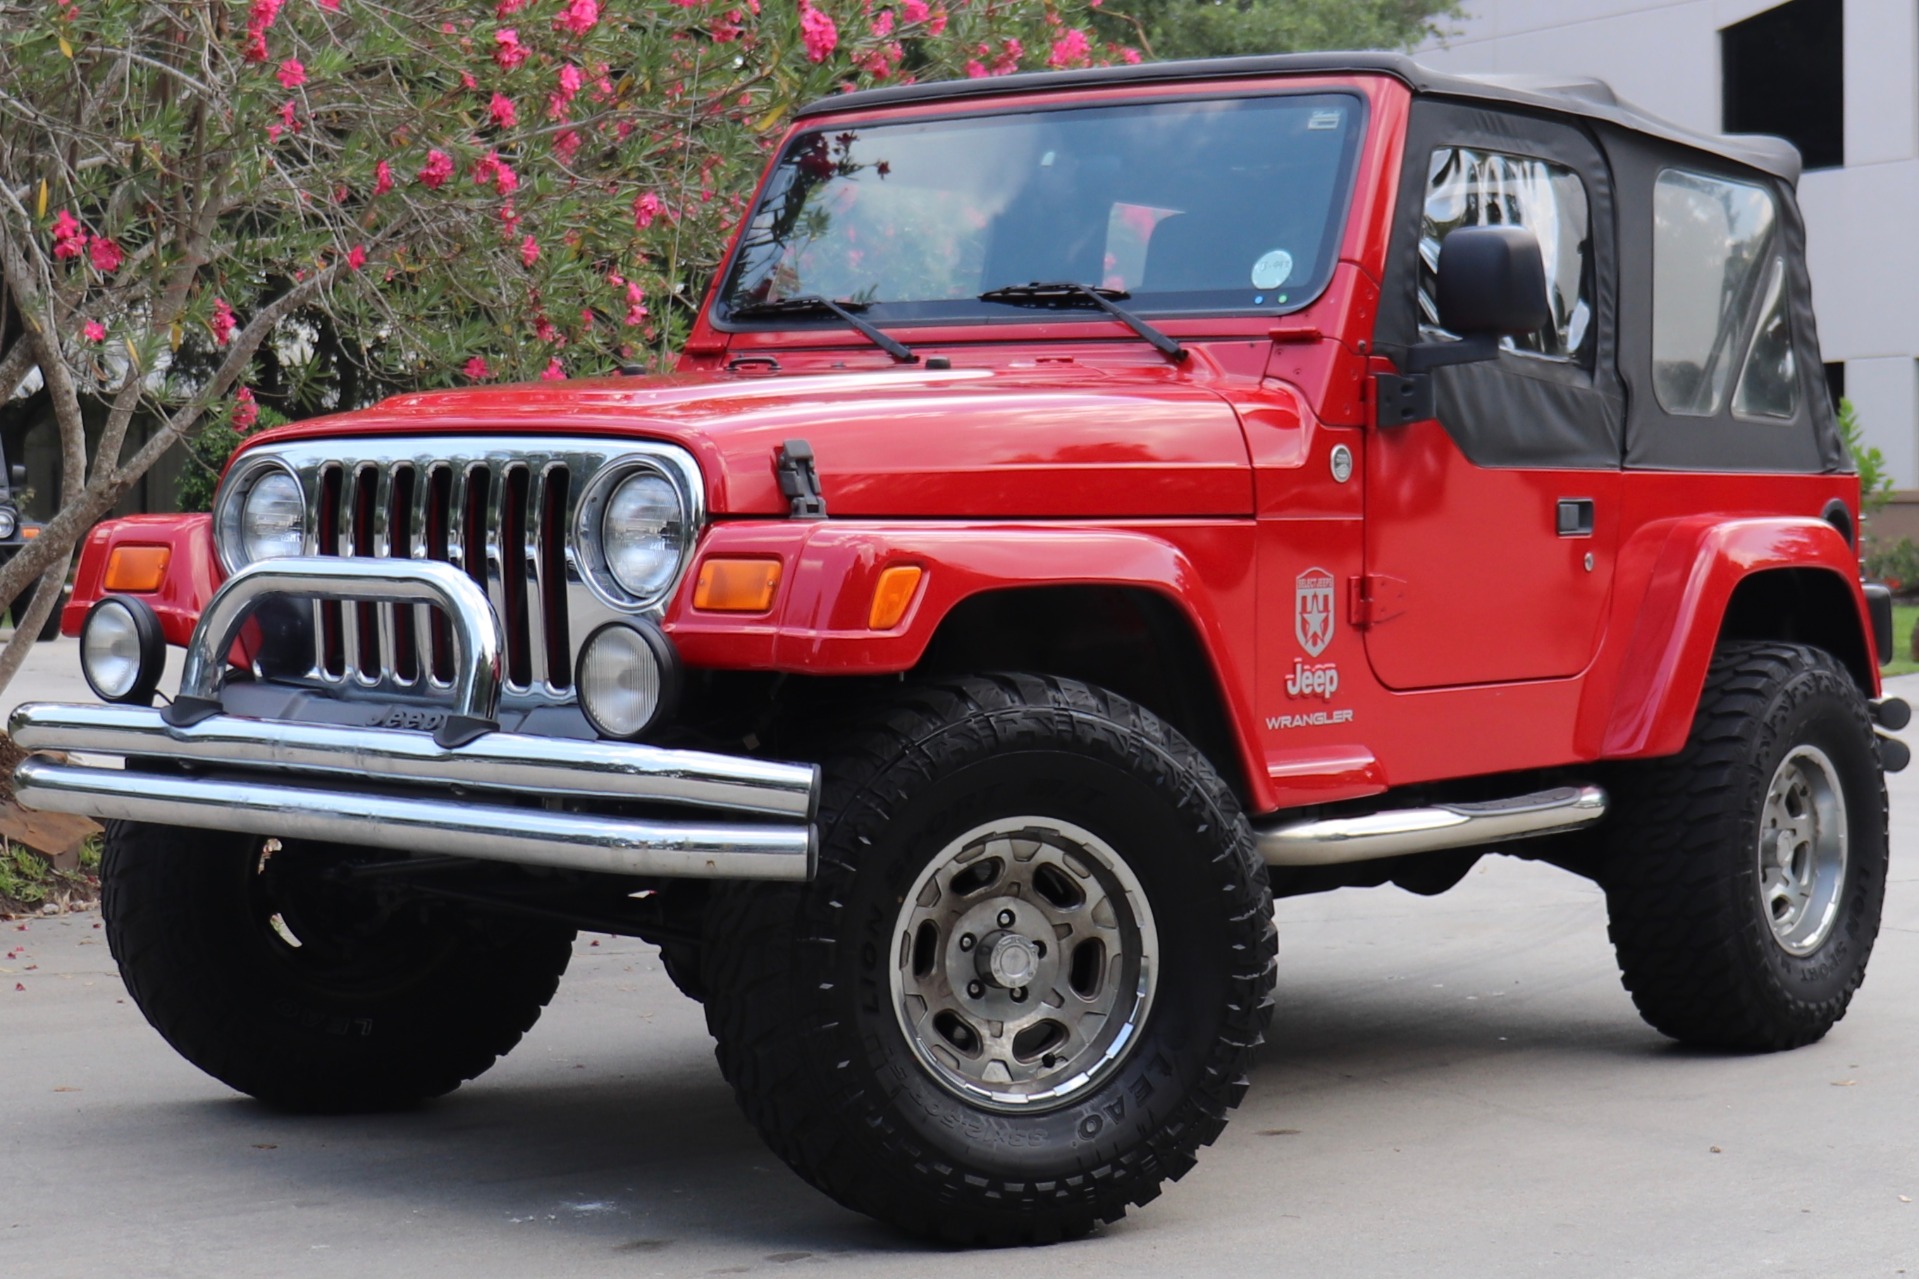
{"x": 1575, "y": 517}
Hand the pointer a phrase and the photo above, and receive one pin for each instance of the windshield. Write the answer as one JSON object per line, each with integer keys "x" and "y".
{"x": 1226, "y": 205}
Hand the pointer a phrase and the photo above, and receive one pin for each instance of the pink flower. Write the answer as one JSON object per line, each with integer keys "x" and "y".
{"x": 635, "y": 305}
{"x": 492, "y": 169}
{"x": 645, "y": 208}
{"x": 477, "y": 370}
{"x": 529, "y": 251}
{"x": 508, "y": 51}
{"x": 94, "y": 331}
{"x": 818, "y": 33}
{"x": 938, "y": 24}
{"x": 502, "y": 111}
{"x": 331, "y": 6}
{"x": 246, "y": 412}
{"x": 289, "y": 116}
{"x": 883, "y": 25}
{"x": 356, "y": 257}
{"x": 106, "y": 255}
{"x": 565, "y": 143}
{"x": 975, "y": 69}
{"x": 69, "y": 237}
{"x": 1069, "y": 50}
{"x": 382, "y": 178}
{"x": 508, "y": 7}
{"x": 292, "y": 74}
{"x": 913, "y": 10}
{"x": 577, "y": 16}
{"x": 1129, "y": 55}
{"x": 554, "y": 371}
{"x": 224, "y": 322}
{"x": 437, "y": 169}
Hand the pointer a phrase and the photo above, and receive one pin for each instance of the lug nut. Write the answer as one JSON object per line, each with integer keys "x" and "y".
{"x": 1039, "y": 948}
{"x": 1006, "y": 919}
{"x": 974, "y": 989}
{"x": 966, "y": 941}
{"x": 1019, "y": 996}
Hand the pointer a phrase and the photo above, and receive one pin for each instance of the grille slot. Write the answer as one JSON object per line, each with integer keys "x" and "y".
{"x": 501, "y": 509}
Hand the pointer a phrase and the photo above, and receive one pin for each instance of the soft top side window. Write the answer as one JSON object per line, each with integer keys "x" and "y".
{"x": 1468, "y": 186}
{"x": 1719, "y": 299}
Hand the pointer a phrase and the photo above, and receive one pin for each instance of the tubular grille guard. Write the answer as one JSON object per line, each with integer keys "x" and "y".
{"x": 503, "y": 510}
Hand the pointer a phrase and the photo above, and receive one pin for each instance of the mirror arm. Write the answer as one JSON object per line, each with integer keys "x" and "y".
{"x": 1427, "y": 356}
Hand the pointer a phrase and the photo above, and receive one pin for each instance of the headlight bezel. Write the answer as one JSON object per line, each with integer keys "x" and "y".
{"x": 229, "y": 509}
{"x": 589, "y": 538}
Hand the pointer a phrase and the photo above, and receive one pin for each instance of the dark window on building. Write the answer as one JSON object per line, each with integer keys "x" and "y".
{"x": 1836, "y": 382}
{"x": 1784, "y": 74}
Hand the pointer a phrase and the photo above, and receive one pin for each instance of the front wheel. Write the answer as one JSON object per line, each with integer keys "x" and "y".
{"x": 1023, "y": 989}
{"x": 1744, "y": 878}
{"x": 262, "y": 966}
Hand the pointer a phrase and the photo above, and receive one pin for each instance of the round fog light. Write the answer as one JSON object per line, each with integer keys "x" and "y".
{"x": 629, "y": 676}
{"x": 122, "y": 650}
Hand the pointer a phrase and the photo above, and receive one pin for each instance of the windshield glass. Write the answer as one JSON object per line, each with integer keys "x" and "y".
{"x": 1226, "y": 205}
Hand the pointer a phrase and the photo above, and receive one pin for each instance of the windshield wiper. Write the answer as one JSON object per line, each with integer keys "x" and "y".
{"x": 1063, "y": 293}
{"x": 810, "y": 303}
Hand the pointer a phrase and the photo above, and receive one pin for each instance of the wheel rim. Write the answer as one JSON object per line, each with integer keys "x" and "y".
{"x": 1026, "y": 964}
{"x": 1802, "y": 850}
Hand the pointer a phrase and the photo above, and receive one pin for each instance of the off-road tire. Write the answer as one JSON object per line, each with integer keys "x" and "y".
{"x": 1690, "y": 924}
{"x": 404, "y": 1009}
{"x": 800, "y": 1004}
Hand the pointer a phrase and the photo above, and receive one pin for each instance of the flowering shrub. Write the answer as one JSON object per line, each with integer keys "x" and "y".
{"x": 357, "y": 196}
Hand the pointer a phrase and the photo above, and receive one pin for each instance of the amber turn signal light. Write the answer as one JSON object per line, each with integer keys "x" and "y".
{"x": 729, "y": 584}
{"x": 137, "y": 568}
{"x": 892, "y": 595}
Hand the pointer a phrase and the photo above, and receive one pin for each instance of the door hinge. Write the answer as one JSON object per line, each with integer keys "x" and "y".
{"x": 1372, "y": 598}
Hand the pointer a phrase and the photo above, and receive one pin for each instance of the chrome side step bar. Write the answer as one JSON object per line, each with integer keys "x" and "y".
{"x": 423, "y": 824}
{"x": 1396, "y": 833}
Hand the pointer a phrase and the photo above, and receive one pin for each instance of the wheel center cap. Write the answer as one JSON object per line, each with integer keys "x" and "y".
{"x": 1009, "y": 961}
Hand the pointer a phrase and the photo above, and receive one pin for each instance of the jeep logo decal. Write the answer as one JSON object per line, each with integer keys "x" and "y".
{"x": 1313, "y": 610}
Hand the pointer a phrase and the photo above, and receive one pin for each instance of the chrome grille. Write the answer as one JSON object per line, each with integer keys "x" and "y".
{"x": 503, "y": 510}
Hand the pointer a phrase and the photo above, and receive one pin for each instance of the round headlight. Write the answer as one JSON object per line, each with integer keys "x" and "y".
{"x": 8, "y": 521}
{"x": 628, "y": 677}
{"x": 643, "y": 534}
{"x": 122, "y": 650}
{"x": 272, "y": 518}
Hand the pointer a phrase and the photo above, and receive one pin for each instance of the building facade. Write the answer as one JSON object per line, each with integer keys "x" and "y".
{"x": 1838, "y": 77}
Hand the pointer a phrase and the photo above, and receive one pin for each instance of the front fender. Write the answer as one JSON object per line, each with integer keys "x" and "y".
{"x": 819, "y": 622}
{"x": 192, "y": 571}
{"x": 1675, "y": 581}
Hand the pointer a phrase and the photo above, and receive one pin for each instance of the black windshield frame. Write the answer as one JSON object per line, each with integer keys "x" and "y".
{"x": 828, "y": 149}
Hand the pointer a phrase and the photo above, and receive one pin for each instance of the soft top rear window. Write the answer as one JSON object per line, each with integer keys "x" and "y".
{"x": 1214, "y": 205}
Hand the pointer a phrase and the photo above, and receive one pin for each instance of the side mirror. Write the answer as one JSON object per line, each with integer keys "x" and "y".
{"x": 1492, "y": 282}
{"x": 17, "y": 475}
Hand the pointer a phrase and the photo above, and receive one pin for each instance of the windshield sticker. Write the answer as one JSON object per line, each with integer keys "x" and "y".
{"x": 1323, "y": 120}
{"x": 1272, "y": 269}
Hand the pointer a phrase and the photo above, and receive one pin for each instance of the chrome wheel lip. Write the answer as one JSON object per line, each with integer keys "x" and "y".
{"x": 1802, "y": 850}
{"x": 1127, "y": 999}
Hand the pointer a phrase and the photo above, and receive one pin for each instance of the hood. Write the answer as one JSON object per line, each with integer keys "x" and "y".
{"x": 1054, "y": 441}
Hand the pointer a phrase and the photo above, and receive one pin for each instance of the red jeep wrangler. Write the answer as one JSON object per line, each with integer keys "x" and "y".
{"x": 1130, "y": 494}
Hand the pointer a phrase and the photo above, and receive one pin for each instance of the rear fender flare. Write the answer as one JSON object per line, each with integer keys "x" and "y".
{"x": 1676, "y": 580}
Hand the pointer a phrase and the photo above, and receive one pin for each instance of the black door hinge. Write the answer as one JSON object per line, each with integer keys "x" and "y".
{"x": 799, "y": 481}
{"x": 1404, "y": 398}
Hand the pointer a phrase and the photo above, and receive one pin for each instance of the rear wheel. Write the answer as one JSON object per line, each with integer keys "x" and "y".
{"x": 255, "y": 960}
{"x": 1744, "y": 878}
{"x": 1022, "y": 991}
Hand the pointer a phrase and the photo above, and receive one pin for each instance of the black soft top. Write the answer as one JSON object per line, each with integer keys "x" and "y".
{"x": 1570, "y": 95}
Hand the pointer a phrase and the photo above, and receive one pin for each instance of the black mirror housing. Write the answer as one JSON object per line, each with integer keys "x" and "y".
{"x": 1492, "y": 281}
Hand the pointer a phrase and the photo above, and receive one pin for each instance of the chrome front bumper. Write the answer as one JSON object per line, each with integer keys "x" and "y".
{"x": 499, "y": 796}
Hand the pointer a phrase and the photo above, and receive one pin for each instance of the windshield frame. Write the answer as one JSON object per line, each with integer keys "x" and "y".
{"x": 1356, "y": 144}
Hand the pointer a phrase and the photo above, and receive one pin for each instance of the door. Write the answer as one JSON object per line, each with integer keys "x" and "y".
{"x": 1491, "y": 526}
